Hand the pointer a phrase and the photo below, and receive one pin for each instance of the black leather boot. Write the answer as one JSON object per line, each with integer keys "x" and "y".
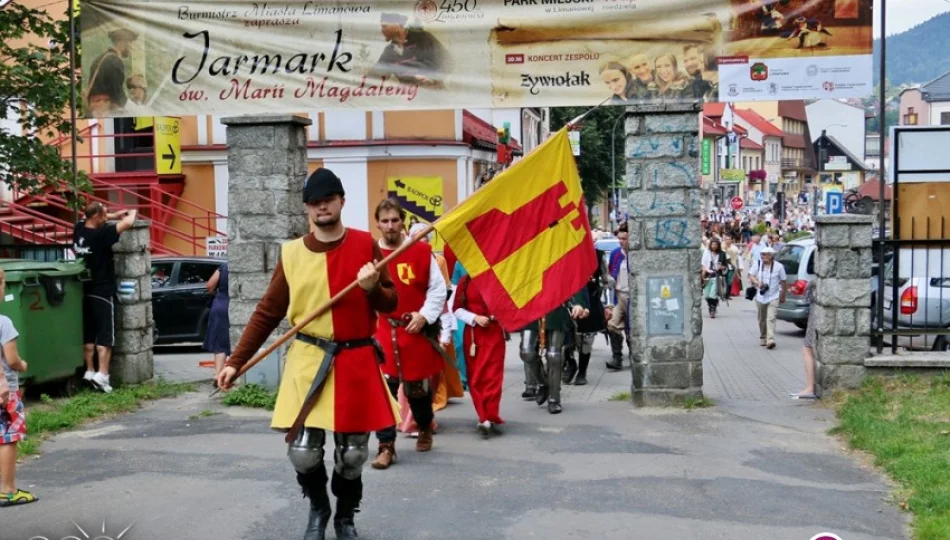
{"x": 582, "y": 362}
{"x": 314, "y": 487}
{"x": 348, "y": 493}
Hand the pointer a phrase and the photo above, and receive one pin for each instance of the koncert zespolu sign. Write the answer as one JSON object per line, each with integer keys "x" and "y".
{"x": 168, "y": 58}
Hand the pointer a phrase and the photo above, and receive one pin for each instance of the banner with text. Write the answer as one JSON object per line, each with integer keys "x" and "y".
{"x": 167, "y": 58}
{"x": 421, "y": 198}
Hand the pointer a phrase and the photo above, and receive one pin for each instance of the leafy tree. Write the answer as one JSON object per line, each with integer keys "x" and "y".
{"x": 34, "y": 90}
{"x": 891, "y": 118}
{"x": 594, "y": 163}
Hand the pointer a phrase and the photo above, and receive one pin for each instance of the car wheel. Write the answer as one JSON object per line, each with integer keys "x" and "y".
{"x": 942, "y": 344}
{"x": 801, "y": 325}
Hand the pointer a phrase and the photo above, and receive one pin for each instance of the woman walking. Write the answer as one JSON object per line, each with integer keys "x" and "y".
{"x": 715, "y": 265}
{"x": 808, "y": 350}
{"x": 484, "y": 346}
{"x": 218, "y": 336}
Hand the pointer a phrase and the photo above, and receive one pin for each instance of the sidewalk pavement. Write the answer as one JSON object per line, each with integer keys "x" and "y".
{"x": 756, "y": 465}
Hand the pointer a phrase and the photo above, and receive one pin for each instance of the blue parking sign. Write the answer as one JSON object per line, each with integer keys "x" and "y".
{"x": 834, "y": 202}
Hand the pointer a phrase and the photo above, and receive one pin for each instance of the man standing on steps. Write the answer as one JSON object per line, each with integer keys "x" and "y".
{"x": 409, "y": 334}
{"x": 93, "y": 239}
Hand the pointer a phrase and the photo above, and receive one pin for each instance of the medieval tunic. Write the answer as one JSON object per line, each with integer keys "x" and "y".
{"x": 355, "y": 398}
{"x": 486, "y": 367}
{"x": 412, "y": 272}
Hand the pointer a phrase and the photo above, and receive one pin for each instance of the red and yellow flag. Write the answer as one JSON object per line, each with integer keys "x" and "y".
{"x": 525, "y": 237}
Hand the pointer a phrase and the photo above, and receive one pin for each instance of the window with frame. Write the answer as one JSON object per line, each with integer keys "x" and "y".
{"x": 196, "y": 273}
{"x": 161, "y": 274}
{"x": 945, "y": 119}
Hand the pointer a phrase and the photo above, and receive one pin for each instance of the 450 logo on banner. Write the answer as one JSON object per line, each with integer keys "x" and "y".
{"x": 448, "y": 10}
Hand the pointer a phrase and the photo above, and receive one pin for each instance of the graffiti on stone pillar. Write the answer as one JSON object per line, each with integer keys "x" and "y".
{"x": 671, "y": 233}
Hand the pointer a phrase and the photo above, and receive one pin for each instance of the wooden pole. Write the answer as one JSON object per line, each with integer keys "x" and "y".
{"x": 328, "y": 305}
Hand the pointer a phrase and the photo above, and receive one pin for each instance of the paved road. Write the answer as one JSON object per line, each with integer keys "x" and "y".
{"x": 757, "y": 465}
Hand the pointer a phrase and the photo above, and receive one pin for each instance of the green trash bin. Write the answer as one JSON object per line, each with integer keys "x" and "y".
{"x": 44, "y": 301}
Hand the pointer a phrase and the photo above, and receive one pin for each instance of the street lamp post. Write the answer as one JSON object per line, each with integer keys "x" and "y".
{"x": 613, "y": 169}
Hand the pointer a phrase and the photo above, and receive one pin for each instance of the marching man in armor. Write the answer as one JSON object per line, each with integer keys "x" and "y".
{"x": 556, "y": 324}
{"x": 409, "y": 335}
{"x": 332, "y": 380}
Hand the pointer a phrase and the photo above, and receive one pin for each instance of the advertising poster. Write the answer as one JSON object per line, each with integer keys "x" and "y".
{"x": 173, "y": 58}
{"x": 421, "y": 198}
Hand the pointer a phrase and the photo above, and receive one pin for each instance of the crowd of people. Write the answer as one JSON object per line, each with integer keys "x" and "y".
{"x": 740, "y": 254}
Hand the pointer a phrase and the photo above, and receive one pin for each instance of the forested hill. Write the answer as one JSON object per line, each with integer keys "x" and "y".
{"x": 918, "y": 55}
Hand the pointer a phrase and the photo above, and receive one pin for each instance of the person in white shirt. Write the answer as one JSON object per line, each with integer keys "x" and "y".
{"x": 768, "y": 276}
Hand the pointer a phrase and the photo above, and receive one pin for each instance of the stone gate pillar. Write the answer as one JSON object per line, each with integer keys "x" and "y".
{"x": 843, "y": 299}
{"x": 267, "y": 168}
{"x": 132, "y": 358}
{"x": 664, "y": 199}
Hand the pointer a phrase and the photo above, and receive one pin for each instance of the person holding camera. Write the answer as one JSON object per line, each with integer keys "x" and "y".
{"x": 768, "y": 277}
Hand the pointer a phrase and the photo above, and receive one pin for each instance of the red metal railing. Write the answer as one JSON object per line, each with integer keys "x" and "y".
{"x": 157, "y": 228}
{"x": 201, "y": 221}
{"x": 29, "y": 225}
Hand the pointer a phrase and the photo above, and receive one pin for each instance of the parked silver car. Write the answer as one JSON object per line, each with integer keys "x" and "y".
{"x": 798, "y": 258}
{"x": 923, "y": 299}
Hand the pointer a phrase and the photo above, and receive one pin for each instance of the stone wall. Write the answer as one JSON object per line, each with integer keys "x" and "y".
{"x": 664, "y": 197}
{"x": 843, "y": 299}
{"x": 267, "y": 168}
{"x": 132, "y": 360}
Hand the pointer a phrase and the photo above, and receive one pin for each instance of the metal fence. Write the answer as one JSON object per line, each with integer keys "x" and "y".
{"x": 911, "y": 304}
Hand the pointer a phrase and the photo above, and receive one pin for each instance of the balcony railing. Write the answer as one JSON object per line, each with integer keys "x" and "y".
{"x": 797, "y": 163}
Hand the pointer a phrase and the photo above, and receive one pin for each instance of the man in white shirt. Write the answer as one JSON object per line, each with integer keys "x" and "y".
{"x": 768, "y": 276}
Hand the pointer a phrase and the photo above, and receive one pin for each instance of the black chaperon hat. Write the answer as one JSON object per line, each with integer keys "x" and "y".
{"x": 322, "y": 183}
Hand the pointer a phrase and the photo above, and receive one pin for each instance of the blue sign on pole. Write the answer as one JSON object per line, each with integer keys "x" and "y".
{"x": 834, "y": 202}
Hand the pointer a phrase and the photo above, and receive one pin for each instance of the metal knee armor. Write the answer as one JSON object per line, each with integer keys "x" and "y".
{"x": 531, "y": 358}
{"x": 306, "y": 451}
{"x": 350, "y": 454}
{"x": 555, "y": 360}
{"x": 587, "y": 343}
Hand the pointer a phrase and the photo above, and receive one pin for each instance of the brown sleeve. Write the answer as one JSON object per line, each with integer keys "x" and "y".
{"x": 270, "y": 311}
{"x": 383, "y": 296}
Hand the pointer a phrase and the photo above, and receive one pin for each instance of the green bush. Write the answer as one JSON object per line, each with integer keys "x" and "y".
{"x": 251, "y": 395}
{"x": 798, "y": 235}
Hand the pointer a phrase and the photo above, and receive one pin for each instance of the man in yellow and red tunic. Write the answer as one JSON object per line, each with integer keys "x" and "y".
{"x": 334, "y": 359}
{"x": 409, "y": 334}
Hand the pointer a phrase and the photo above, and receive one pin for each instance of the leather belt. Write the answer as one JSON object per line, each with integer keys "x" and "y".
{"x": 330, "y": 350}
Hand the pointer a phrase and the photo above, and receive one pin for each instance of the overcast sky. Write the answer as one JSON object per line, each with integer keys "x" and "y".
{"x": 905, "y": 14}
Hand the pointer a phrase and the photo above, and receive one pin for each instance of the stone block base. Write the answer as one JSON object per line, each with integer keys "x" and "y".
{"x": 132, "y": 368}
{"x": 840, "y": 376}
{"x": 665, "y": 397}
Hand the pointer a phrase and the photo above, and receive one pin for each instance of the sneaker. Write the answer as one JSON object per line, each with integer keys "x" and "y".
{"x": 102, "y": 382}
{"x": 484, "y": 428}
{"x": 87, "y": 377}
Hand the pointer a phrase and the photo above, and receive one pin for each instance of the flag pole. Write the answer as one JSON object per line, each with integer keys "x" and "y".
{"x": 325, "y": 307}
{"x": 572, "y": 123}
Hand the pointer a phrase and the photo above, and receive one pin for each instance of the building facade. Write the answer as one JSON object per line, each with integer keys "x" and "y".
{"x": 928, "y": 104}
{"x": 841, "y": 120}
{"x": 798, "y": 165}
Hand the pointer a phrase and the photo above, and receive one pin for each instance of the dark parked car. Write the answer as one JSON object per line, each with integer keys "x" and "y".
{"x": 180, "y": 299}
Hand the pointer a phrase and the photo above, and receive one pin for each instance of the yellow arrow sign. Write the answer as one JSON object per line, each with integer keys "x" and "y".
{"x": 167, "y": 145}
